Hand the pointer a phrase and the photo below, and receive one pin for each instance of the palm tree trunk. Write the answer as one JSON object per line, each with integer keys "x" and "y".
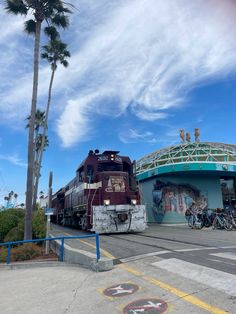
{"x": 30, "y": 169}
{"x": 35, "y": 163}
{"x": 35, "y": 179}
{"x": 43, "y": 138}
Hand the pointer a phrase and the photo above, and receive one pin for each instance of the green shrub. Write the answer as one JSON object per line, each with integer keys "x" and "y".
{"x": 39, "y": 224}
{"x": 3, "y": 255}
{"x": 16, "y": 233}
{"x": 9, "y": 219}
{"x": 26, "y": 251}
{"x": 12, "y": 225}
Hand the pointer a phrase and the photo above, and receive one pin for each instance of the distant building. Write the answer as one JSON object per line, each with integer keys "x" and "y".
{"x": 172, "y": 178}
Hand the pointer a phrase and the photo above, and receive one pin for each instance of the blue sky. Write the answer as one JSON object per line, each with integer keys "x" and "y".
{"x": 140, "y": 70}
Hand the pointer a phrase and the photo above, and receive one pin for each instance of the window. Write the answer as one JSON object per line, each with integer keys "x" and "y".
{"x": 109, "y": 167}
{"x": 90, "y": 172}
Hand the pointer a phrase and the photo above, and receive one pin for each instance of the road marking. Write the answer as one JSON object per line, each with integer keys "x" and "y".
{"x": 136, "y": 257}
{"x": 211, "y": 277}
{"x": 183, "y": 295}
{"x": 196, "y": 249}
{"x": 228, "y": 255}
{"x": 105, "y": 253}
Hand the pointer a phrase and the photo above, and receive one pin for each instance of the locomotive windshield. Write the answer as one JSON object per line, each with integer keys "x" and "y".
{"x": 109, "y": 167}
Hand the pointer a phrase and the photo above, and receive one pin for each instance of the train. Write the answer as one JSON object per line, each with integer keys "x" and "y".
{"x": 103, "y": 197}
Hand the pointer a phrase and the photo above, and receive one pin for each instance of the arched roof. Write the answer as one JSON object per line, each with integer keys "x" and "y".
{"x": 189, "y": 157}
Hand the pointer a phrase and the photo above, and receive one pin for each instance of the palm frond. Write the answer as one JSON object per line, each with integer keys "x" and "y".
{"x": 62, "y": 7}
{"x": 60, "y": 20}
{"x": 44, "y": 55}
{"x": 39, "y": 141}
{"x": 65, "y": 63}
{"x": 67, "y": 54}
{"x": 30, "y": 27}
{"x": 51, "y": 32}
{"x": 16, "y": 7}
{"x": 55, "y": 51}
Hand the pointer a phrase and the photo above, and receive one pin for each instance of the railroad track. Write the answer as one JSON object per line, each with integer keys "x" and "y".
{"x": 181, "y": 253}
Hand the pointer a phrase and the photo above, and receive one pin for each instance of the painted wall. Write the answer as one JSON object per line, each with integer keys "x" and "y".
{"x": 168, "y": 197}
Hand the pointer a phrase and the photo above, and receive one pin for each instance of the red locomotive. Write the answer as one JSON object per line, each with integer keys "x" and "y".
{"x": 103, "y": 197}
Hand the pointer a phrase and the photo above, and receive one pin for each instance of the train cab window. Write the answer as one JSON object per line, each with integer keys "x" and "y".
{"x": 109, "y": 167}
{"x": 90, "y": 172}
{"x": 80, "y": 176}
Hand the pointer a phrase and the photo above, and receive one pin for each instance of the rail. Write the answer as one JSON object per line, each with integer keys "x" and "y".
{"x": 61, "y": 255}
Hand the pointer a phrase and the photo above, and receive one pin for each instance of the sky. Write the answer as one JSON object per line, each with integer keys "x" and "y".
{"x": 139, "y": 71}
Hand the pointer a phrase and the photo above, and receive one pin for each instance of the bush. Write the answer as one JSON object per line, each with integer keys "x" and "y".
{"x": 12, "y": 225}
{"x": 25, "y": 252}
{"x": 16, "y": 233}
{"x": 3, "y": 255}
{"x": 39, "y": 224}
{"x": 9, "y": 219}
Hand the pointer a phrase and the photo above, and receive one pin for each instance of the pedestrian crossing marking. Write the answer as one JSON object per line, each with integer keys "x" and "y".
{"x": 228, "y": 255}
{"x": 211, "y": 277}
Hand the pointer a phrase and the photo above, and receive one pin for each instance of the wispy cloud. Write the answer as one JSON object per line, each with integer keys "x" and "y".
{"x": 13, "y": 159}
{"x": 133, "y": 136}
{"x": 148, "y": 55}
{"x": 141, "y": 55}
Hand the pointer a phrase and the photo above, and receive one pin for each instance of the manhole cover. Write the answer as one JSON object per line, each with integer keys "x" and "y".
{"x": 121, "y": 290}
{"x": 150, "y": 306}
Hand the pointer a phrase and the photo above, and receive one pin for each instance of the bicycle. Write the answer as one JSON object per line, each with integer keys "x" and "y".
{"x": 194, "y": 219}
{"x": 220, "y": 222}
{"x": 231, "y": 220}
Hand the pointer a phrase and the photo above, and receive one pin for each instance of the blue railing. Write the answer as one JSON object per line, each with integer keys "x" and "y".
{"x": 62, "y": 238}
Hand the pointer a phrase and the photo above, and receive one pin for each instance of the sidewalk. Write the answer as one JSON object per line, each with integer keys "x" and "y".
{"x": 68, "y": 289}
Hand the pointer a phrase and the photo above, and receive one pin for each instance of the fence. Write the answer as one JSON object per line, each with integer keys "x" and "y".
{"x": 61, "y": 254}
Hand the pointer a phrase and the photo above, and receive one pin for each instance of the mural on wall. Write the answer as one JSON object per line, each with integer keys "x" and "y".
{"x": 170, "y": 197}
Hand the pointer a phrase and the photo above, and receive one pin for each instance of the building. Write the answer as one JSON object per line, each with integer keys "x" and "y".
{"x": 172, "y": 178}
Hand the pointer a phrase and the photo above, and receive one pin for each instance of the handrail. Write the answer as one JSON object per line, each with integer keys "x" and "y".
{"x": 62, "y": 238}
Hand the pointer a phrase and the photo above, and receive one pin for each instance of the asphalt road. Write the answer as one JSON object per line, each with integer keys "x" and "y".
{"x": 215, "y": 249}
{"x": 164, "y": 269}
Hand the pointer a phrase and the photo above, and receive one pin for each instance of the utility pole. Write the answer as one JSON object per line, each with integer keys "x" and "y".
{"x": 49, "y": 215}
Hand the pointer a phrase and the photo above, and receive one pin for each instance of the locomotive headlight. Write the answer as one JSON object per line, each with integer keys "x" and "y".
{"x": 134, "y": 202}
{"x": 106, "y": 202}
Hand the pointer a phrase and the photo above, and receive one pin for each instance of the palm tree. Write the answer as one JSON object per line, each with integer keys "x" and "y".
{"x": 10, "y": 195}
{"x": 55, "y": 52}
{"x": 53, "y": 12}
{"x": 39, "y": 122}
{"x": 6, "y": 199}
{"x": 15, "y": 199}
{"x": 40, "y": 145}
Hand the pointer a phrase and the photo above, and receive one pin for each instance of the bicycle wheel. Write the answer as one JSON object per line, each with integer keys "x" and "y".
{"x": 214, "y": 224}
{"x": 199, "y": 224}
{"x": 190, "y": 221}
{"x": 228, "y": 225}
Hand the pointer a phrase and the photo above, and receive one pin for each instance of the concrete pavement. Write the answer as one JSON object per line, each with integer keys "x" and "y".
{"x": 166, "y": 269}
{"x": 69, "y": 289}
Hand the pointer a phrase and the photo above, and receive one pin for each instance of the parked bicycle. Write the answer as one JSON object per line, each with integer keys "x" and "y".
{"x": 231, "y": 221}
{"x": 206, "y": 216}
{"x": 193, "y": 218}
{"x": 221, "y": 220}
{"x": 198, "y": 218}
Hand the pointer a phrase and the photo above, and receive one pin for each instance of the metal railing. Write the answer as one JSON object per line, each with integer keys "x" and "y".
{"x": 62, "y": 238}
